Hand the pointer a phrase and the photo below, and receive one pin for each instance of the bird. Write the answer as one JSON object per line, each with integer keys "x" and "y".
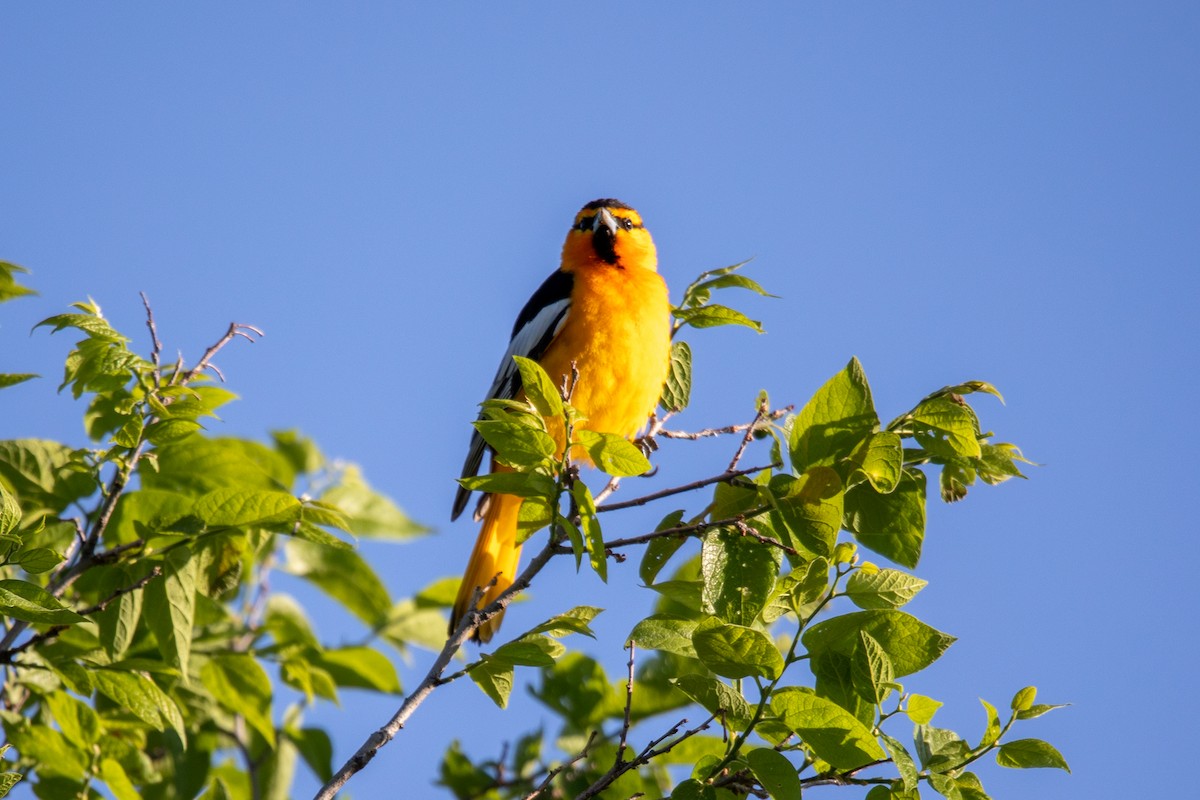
{"x": 605, "y": 312}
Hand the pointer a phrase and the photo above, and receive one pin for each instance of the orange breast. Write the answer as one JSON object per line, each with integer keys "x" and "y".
{"x": 618, "y": 334}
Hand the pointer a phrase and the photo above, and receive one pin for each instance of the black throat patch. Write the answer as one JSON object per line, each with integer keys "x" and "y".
{"x": 604, "y": 241}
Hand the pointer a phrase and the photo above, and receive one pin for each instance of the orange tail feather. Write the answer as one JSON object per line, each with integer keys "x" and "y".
{"x": 495, "y": 557}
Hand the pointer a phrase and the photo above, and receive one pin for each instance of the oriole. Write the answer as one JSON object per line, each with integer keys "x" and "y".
{"x": 606, "y": 311}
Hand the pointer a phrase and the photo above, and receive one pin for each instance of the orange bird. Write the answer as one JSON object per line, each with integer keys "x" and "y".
{"x": 606, "y": 310}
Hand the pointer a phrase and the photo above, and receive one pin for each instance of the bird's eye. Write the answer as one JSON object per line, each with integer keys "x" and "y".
{"x": 585, "y": 224}
{"x": 627, "y": 223}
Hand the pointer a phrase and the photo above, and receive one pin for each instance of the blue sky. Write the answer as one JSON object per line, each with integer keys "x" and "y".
{"x": 1005, "y": 191}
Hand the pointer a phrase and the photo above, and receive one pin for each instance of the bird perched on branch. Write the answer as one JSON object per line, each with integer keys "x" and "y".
{"x": 606, "y": 311}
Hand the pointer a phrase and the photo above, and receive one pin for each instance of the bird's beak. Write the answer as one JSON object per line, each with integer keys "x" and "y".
{"x": 605, "y": 218}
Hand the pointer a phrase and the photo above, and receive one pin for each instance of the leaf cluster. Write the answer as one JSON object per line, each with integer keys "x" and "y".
{"x": 141, "y": 634}
{"x": 777, "y": 627}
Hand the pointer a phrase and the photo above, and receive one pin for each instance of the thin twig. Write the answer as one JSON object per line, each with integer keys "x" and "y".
{"x": 156, "y": 351}
{"x": 628, "y": 706}
{"x": 687, "y": 487}
{"x": 236, "y": 329}
{"x": 650, "y": 751}
{"x": 552, "y": 774}
{"x": 750, "y": 429}
{"x": 746, "y": 530}
{"x": 728, "y": 429}
{"x": 467, "y": 626}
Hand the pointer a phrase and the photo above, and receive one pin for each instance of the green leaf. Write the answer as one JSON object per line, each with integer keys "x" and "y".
{"x": 315, "y": 748}
{"x": 920, "y": 709}
{"x": 881, "y": 458}
{"x": 885, "y": 588}
{"x": 301, "y": 452}
{"x": 992, "y": 732}
{"x": 832, "y": 732}
{"x": 369, "y": 512}
{"x": 75, "y": 719}
{"x": 945, "y": 428}
{"x": 344, "y": 576}
{"x": 31, "y": 603}
{"x": 945, "y": 786}
{"x": 12, "y": 379}
{"x": 592, "y": 535}
{"x": 677, "y": 391}
{"x": 241, "y": 686}
{"x": 903, "y": 761}
{"x": 812, "y": 585}
{"x": 573, "y": 620}
{"x": 660, "y": 550}
{"x": 712, "y": 316}
{"x": 236, "y": 508}
{"x": 8, "y": 780}
{"x": 171, "y": 609}
{"x": 51, "y": 751}
{"x": 359, "y": 667}
{"x": 664, "y": 632}
{"x": 871, "y": 669}
{"x": 287, "y": 623}
{"x": 539, "y": 388}
{"x": 718, "y": 698}
{"x": 776, "y": 774}
{"x": 118, "y": 782}
{"x": 46, "y": 476}
{"x": 892, "y": 525}
{"x": 521, "y": 484}
{"x": 811, "y": 509}
{"x": 736, "y": 651}
{"x": 970, "y": 787}
{"x": 833, "y": 423}
{"x": 940, "y": 750}
{"x": 412, "y": 622}
{"x": 200, "y": 465}
{"x": 495, "y": 678}
{"x": 1024, "y": 698}
{"x": 311, "y": 533}
{"x": 699, "y": 292}
{"x": 10, "y": 512}
{"x": 171, "y": 431}
{"x": 461, "y": 776}
{"x": 1037, "y": 710}
{"x": 1028, "y": 753}
{"x": 516, "y": 445}
{"x": 739, "y": 575}
{"x": 530, "y": 651}
{"x": 10, "y": 289}
{"x": 909, "y": 643}
{"x": 613, "y": 454}
{"x": 692, "y": 789}
{"x": 140, "y": 696}
{"x": 37, "y": 560}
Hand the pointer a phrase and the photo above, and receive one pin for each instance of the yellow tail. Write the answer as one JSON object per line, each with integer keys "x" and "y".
{"x": 495, "y": 557}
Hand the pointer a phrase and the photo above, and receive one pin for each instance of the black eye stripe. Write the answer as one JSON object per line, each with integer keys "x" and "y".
{"x": 586, "y": 223}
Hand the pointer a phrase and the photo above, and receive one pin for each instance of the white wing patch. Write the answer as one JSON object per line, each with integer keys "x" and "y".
{"x": 530, "y": 342}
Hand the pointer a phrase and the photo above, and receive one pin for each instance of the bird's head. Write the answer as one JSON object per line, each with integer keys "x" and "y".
{"x": 609, "y": 232}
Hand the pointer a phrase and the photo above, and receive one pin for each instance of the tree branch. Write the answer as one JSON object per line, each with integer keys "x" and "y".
{"x": 687, "y": 487}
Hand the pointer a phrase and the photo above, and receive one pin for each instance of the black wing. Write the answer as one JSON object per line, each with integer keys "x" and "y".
{"x": 535, "y": 328}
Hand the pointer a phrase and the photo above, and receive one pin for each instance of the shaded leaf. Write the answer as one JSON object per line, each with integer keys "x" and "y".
{"x": 677, "y": 391}
{"x": 736, "y": 651}
{"x": 833, "y": 423}
{"x": 832, "y": 732}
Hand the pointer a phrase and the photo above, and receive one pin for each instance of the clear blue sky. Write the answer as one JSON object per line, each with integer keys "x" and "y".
{"x": 948, "y": 191}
